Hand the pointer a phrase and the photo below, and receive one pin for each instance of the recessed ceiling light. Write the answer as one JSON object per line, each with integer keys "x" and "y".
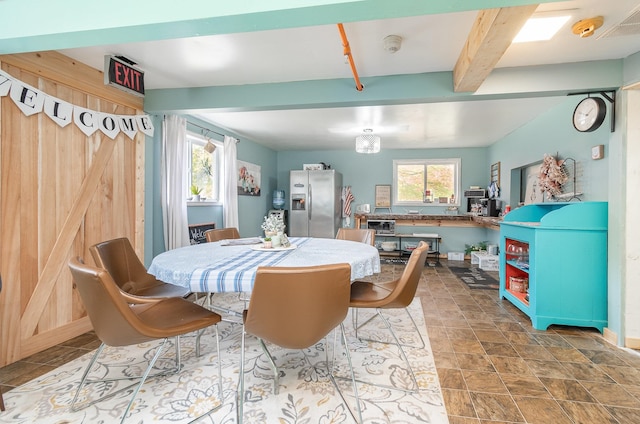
{"x": 540, "y": 29}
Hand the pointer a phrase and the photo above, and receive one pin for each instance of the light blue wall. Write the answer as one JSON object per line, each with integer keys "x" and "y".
{"x": 364, "y": 172}
{"x": 251, "y": 209}
{"x": 553, "y": 133}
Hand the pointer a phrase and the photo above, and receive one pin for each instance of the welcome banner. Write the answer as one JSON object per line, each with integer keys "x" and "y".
{"x": 31, "y": 101}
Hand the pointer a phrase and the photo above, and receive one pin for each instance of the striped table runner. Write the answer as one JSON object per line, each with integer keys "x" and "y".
{"x": 237, "y": 273}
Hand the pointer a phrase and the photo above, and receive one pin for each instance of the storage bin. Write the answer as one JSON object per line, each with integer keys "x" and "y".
{"x": 455, "y": 256}
{"x": 475, "y": 256}
{"x": 489, "y": 262}
{"x": 518, "y": 284}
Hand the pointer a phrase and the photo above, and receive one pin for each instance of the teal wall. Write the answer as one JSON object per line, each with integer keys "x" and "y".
{"x": 251, "y": 209}
{"x": 364, "y": 172}
{"x": 553, "y": 133}
{"x": 550, "y": 133}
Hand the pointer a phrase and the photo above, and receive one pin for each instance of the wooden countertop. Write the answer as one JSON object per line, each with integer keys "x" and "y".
{"x": 433, "y": 220}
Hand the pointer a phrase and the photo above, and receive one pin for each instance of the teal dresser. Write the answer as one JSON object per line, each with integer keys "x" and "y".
{"x": 560, "y": 250}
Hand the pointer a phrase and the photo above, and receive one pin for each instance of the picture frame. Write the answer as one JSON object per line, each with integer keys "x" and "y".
{"x": 248, "y": 180}
{"x": 495, "y": 173}
{"x": 383, "y": 196}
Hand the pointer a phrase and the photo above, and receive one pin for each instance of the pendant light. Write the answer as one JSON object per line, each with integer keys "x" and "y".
{"x": 367, "y": 142}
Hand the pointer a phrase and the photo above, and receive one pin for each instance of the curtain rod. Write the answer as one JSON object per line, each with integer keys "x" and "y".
{"x": 210, "y": 130}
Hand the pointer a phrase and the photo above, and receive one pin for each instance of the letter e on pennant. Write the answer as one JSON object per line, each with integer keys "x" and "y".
{"x": 28, "y": 99}
{"x": 145, "y": 125}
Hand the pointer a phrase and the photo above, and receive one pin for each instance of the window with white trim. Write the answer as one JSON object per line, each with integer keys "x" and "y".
{"x": 426, "y": 182}
{"x": 204, "y": 170}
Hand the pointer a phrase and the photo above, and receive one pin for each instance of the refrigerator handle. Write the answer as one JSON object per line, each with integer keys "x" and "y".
{"x": 310, "y": 203}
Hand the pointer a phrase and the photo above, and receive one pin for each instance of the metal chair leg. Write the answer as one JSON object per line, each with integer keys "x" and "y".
{"x": 401, "y": 351}
{"x": 144, "y": 377}
{"x": 240, "y": 394}
{"x": 274, "y": 367}
{"x": 86, "y": 373}
{"x": 415, "y": 326}
{"x": 358, "y": 419}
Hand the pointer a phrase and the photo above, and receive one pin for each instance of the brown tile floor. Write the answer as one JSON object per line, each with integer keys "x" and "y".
{"x": 493, "y": 366}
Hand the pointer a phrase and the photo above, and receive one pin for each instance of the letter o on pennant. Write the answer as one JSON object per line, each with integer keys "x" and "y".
{"x": 108, "y": 125}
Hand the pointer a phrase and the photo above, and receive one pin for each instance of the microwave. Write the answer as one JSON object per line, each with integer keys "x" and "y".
{"x": 382, "y": 226}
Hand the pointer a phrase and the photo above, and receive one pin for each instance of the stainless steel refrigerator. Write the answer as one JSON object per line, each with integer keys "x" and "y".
{"x": 315, "y": 203}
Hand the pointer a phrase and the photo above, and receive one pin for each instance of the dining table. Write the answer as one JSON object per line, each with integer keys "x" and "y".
{"x": 231, "y": 265}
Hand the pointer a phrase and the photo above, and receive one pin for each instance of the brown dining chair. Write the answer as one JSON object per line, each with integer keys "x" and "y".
{"x": 295, "y": 308}
{"x": 357, "y": 234}
{"x": 218, "y": 234}
{"x": 117, "y": 322}
{"x": 393, "y": 294}
{"x": 120, "y": 260}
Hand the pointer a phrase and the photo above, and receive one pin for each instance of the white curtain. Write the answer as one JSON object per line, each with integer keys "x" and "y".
{"x": 230, "y": 186}
{"x": 173, "y": 184}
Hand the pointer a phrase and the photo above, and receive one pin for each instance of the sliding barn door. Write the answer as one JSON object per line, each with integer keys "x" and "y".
{"x": 60, "y": 192}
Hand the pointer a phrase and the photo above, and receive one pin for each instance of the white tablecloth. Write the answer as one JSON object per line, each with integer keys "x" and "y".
{"x": 210, "y": 267}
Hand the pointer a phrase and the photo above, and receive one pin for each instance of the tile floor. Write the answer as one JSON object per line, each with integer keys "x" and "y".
{"x": 493, "y": 366}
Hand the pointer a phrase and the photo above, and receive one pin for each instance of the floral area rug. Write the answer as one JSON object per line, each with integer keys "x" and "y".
{"x": 306, "y": 393}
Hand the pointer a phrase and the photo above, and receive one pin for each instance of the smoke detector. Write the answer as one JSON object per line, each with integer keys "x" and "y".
{"x": 392, "y": 43}
{"x": 586, "y": 27}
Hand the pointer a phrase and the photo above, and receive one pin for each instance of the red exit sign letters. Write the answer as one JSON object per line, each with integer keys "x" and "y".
{"x": 123, "y": 75}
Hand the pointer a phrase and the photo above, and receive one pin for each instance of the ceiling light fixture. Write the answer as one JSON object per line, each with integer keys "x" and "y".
{"x": 392, "y": 43}
{"x": 367, "y": 142}
{"x": 541, "y": 28}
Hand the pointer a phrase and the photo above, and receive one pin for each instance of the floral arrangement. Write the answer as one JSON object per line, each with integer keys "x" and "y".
{"x": 272, "y": 224}
{"x": 552, "y": 176}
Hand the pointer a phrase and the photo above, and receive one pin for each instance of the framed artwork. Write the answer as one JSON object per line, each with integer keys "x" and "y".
{"x": 383, "y": 196}
{"x": 532, "y": 192}
{"x": 495, "y": 173}
{"x": 248, "y": 179}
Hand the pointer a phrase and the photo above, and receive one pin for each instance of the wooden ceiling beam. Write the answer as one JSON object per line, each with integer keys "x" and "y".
{"x": 489, "y": 39}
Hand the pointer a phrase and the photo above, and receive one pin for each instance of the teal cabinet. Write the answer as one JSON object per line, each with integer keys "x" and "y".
{"x": 560, "y": 251}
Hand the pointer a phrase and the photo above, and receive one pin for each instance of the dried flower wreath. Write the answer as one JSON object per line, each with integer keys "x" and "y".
{"x": 552, "y": 176}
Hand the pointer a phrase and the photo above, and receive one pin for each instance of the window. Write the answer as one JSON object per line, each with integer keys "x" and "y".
{"x": 423, "y": 182}
{"x": 204, "y": 168}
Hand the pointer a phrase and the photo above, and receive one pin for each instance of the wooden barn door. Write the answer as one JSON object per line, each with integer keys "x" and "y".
{"x": 60, "y": 192}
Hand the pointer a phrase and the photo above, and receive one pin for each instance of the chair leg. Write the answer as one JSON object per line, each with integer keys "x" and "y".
{"x": 86, "y": 373}
{"x": 240, "y": 394}
{"x": 142, "y": 380}
{"x": 404, "y": 356}
{"x": 276, "y": 374}
{"x": 219, "y": 366}
{"x": 413, "y": 322}
{"x": 397, "y": 343}
{"x": 358, "y": 419}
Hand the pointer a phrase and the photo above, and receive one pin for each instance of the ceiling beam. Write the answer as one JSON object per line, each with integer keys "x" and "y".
{"x": 489, "y": 39}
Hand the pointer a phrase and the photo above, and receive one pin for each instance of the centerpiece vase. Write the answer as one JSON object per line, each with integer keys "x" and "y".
{"x": 276, "y": 240}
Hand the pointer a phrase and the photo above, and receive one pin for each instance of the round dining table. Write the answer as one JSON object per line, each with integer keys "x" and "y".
{"x": 231, "y": 265}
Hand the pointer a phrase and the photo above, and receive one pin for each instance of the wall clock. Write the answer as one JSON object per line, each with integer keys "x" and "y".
{"x": 589, "y": 114}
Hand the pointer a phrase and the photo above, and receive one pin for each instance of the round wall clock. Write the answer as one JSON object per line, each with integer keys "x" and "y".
{"x": 589, "y": 114}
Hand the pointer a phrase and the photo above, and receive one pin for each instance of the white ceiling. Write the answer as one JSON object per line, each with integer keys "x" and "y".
{"x": 431, "y": 43}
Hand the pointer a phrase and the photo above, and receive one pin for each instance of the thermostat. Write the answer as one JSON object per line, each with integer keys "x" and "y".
{"x": 597, "y": 152}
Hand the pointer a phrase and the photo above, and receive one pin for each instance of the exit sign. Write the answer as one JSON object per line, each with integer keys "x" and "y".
{"x": 121, "y": 73}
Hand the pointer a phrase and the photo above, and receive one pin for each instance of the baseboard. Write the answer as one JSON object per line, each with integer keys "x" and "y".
{"x": 629, "y": 342}
{"x": 610, "y": 336}
{"x": 632, "y": 342}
